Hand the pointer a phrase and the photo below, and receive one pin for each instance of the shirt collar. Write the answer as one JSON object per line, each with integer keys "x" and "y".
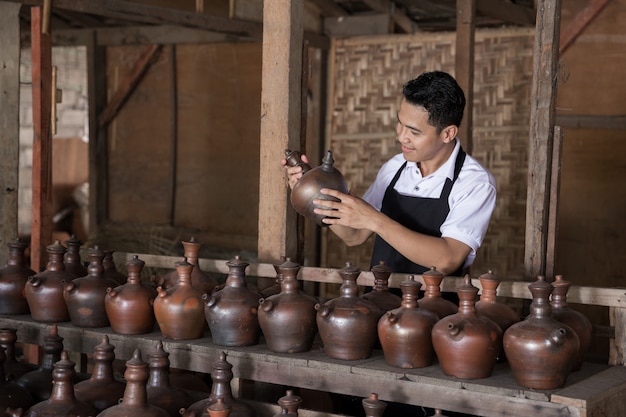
{"x": 447, "y": 169}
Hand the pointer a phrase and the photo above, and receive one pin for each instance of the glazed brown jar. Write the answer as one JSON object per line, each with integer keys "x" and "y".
{"x": 289, "y": 404}
{"x": 13, "y": 278}
{"x": 577, "y": 321}
{"x": 101, "y": 390}
{"x": 110, "y": 270}
{"x": 12, "y": 395}
{"x": 71, "y": 258}
{"x": 312, "y": 181}
{"x": 62, "y": 401}
{"x": 373, "y": 407}
{"x": 200, "y": 280}
{"x": 232, "y": 312}
{"x": 380, "y": 294}
{"x": 288, "y": 319}
{"x": 467, "y": 344}
{"x": 160, "y": 392}
{"x": 540, "y": 349}
{"x": 222, "y": 375}
{"x": 347, "y": 324}
{"x": 129, "y": 307}
{"x": 13, "y": 368}
{"x": 405, "y": 333}
{"x": 44, "y": 291}
{"x": 432, "y": 299}
{"x": 135, "y": 400}
{"x": 179, "y": 310}
{"x": 84, "y": 296}
{"x": 39, "y": 382}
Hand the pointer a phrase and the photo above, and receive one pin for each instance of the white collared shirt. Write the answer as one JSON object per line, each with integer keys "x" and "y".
{"x": 472, "y": 199}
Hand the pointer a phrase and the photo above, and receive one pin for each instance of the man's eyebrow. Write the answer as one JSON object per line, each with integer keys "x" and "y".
{"x": 407, "y": 126}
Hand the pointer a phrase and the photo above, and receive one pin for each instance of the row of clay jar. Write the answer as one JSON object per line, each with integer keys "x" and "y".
{"x": 467, "y": 343}
{"x": 148, "y": 388}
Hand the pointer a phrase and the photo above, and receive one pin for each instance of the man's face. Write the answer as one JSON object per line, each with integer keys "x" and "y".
{"x": 419, "y": 139}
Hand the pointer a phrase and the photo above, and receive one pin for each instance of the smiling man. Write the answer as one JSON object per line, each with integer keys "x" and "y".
{"x": 429, "y": 205}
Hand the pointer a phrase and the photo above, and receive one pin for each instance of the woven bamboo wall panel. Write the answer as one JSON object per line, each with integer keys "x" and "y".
{"x": 365, "y": 94}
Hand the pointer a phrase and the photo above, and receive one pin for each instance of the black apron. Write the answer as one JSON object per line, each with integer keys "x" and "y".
{"x": 423, "y": 215}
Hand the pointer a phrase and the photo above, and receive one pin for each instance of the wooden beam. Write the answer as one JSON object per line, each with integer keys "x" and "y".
{"x": 398, "y": 15}
{"x": 41, "y": 51}
{"x": 555, "y": 187}
{"x": 372, "y": 24}
{"x": 280, "y": 125}
{"x": 128, "y": 84}
{"x": 143, "y": 13}
{"x": 506, "y": 11}
{"x": 582, "y": 19}
{"x": 464, "y": 65}
{"x": 591, "y": 122}
{"x": 10, "y": 122}
{"x": 543, "y": 104}
{"x": 330, "y": 8}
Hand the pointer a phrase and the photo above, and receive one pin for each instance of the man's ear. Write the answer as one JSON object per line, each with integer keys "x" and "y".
{"x": 448, "y": 134}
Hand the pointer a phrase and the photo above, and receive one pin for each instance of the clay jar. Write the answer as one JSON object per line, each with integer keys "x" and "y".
{"x": 277, "y": 286}
{"x": 129, "y": 307}
{"x": 577, "y": 321}
{"x": 540, "y": 350}
{"x": 160, "y": 392}
{"x": 288, "y": 319}
{"x": 312, "y": 181}
{"x": 289, "y": 404}
{"x": 200, "y": 280}
{"x": 221, "y": 375}
{"x": 110, "y": 270}
{"x": 347, "y": 324}
{"x": 373, "y": 407}
{"x": 39, "y": 382}
{"x": 135, "y": 400}
{"x": 380, "y": 294}
{"x": 62, "y": 401}
{"x": 12, "y": 395}
{"x": 232, "y": 312}
{"x": 13, "y": 368}
{"x": 85, "y": 296}
{"x": 13, "y": 278}
{"x": 432, "y": 300}
{"x": 467, "y": 345}
{"x": 71, "y": 258}
{"x": 101, "y": 390}
{"x": 405, "y": 332}
{"x": 179, "y": 310}
{"x": 44, "y": 291}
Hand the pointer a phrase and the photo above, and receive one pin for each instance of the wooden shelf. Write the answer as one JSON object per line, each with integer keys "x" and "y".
{"x": 595, "y": 387}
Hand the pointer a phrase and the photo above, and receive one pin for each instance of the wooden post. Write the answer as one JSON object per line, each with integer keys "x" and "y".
{"x": 280, "y": 124}
{"x": 464, "y": 65}
{"x": 543, "y": 96}
{"x": 42, "y": 149}
{"x": 555, "y": 186}
{"x": 9, "y": 120}
{"x": 617, "y": 348}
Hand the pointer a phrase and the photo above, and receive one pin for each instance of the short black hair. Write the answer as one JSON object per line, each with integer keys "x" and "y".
{"x": 440, "y": 95}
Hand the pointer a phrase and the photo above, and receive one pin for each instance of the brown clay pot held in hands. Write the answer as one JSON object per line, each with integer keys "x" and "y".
{"x": 577, "y": 321}
{"x": 539, "y": 349}
{"x": 135, "y": 400}
{"x": 232, "y": 312}
{"x": 71, "y": 258}
{"x": 432, "y": 299}
{"x": 62, "y": 401}
{"x": 467, "y": 345}
{"x": 84, "y": 296}
{"x": 347, "y": 324}
{"x": 373, "y": 407}
{"x": 380, "y": 294}
{"x": 179, "y": 310}
{"x": 405, "y": 333}
{"x": 312, "y": 181}
{"x": 44, "y": 291}
{"x": 101, "y": 390}
{"x": 222, "y": 375}
{"x": 13, "y": 278}
{"x": 288, "y": 319}
{"x": 129, "y": 307}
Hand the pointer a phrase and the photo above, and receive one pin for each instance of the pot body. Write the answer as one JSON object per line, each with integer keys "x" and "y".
{"x": 539, "y": 349}
{"x": 13, "y": 278}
